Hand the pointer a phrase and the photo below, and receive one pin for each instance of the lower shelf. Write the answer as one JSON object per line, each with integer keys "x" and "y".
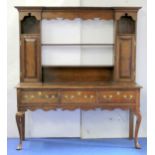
{"x": 77, "y": 74}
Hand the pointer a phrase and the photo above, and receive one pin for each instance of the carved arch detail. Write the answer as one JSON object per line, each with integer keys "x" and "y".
{"x": 133, "y": 15}
{"x": 37, "y": 15}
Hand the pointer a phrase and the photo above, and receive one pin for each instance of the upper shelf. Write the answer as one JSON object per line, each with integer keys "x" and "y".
{"x": 73, "y": 12}
{"x": 77, "y": 44}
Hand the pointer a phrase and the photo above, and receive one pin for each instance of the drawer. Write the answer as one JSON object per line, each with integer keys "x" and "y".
{"x": 78, "y": 97}
{"x": 117, "y": 96}
{"x": 39, "y": 97}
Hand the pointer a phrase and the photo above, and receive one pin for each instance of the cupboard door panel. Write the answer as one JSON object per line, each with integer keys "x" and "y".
{"x": 30, "y": 54}
{"x": 30, "y": 59}
{"x": 125, "y": 58}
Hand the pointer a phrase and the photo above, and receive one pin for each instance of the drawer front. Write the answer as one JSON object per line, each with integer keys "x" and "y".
{"x": 75, "y": 96}
{"x": 78, "y": 97}
{"x": 39, "y": 97}
{"x": 117, "y": 97}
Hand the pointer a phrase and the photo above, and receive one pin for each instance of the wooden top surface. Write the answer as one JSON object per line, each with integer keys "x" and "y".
{"x": 74, "y": 8}
{"x": 43, "y": 12}
{"x": 82, "y": 85}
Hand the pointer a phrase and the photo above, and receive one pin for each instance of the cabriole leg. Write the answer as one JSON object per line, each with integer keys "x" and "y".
{"x": 131, "y": 124}
{"x": 23, "y": 131}
{"x": 138, "y": 122}
{"x": 20, "y": 119}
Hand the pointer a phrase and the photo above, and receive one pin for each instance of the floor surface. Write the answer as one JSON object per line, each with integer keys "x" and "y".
{"x": 76, "y": 146}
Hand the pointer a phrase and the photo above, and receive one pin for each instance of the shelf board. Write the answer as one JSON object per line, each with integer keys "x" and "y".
{"x": 78, "y": 66}
{"x": 126, "y": 34}
{"x": 77, "y": 44}
{"x": 30, "y": 34}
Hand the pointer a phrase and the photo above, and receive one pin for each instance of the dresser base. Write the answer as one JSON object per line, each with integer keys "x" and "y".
{"x": 85, "y": 97}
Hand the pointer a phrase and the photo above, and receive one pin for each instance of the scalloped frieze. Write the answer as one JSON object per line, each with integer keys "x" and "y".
{"x": 85, "y": 15}
{"x": 80, "y": 106}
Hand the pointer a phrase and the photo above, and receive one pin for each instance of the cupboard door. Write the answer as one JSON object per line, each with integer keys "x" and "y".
{"x": 30, "y": 58}
{"x": 125, "y": 58}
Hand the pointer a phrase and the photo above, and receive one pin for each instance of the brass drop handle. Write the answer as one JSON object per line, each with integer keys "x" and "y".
{"x": 66, "y": 96}
{"x": 104, "y": 96}
{"x": 53, "y": 96}
{"x": 39, "y": 93}
{"x": 79, "y": 93}
{"x": 118, "y": 93}
{"x": 32, "y": 96}
{"x": 46, "y": 96}
{"x": 91, "y": 96}
{"x": 25, "y": 96}
{"x": 125, "y": 96}
{"x": 110, "y": 96}
{"x": 72, "y": 97}
{"x": 85, "y": 96}
{"x": 131, "y": 96}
